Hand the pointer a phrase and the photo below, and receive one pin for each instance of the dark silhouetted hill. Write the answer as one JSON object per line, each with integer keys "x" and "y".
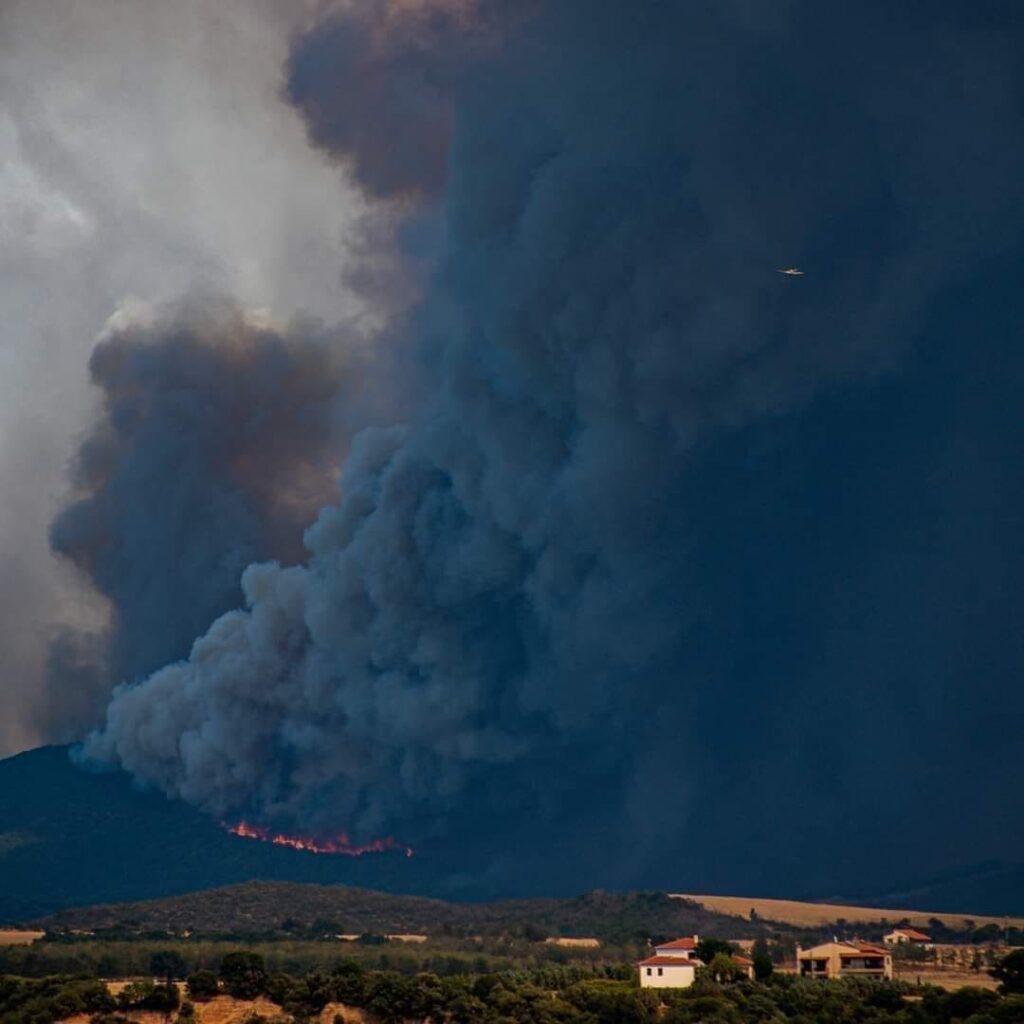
{"x": 265, "y": 907}
{"x": 70, "y": 837}
{"x": 990, "y": 887}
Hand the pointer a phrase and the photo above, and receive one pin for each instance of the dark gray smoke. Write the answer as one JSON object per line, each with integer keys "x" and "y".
{"x": 217, "y": 442}
{"x": 375, "y": 82}
{"x": 570, "y": 578}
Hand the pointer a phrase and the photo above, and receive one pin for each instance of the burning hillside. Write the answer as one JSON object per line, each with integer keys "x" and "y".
{"x": 339, "y": 844}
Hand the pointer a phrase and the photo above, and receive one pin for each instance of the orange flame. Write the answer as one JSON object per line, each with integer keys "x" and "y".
{"x": 338, "y": 844}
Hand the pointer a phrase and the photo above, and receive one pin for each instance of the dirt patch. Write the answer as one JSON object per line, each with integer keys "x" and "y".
{"x": 349, "y": 1014}
{"x": 227, "y": 1010}
{"x": 224, "y": 1009}
{"x": 115, "y": 988}
{"x": 219, "y": 1010}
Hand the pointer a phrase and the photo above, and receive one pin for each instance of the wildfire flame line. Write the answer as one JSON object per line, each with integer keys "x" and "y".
{"x": 339, "y": 844}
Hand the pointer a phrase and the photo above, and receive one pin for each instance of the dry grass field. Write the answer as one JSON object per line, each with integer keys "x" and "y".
{"x": 226, "y": 1010}
{"x": 17, "y": 937}
{"x": 949, "y": 980}
{"x": 810, "y": 915}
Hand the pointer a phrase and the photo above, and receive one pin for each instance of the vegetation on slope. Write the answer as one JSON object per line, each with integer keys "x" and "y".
{"x": 283, "y": 909}
{"x": 70, "y": 837}
{"x": 554, "y": 995}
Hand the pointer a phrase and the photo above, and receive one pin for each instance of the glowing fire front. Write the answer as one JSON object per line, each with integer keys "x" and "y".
{"x": 338, "y": 844}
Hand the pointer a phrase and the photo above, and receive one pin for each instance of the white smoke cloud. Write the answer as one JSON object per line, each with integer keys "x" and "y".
{"x": 144, "y": 151}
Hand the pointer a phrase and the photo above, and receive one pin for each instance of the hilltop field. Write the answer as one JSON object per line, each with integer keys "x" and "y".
{"x": 817, "y": 915}
{"x": 18, "y": 936}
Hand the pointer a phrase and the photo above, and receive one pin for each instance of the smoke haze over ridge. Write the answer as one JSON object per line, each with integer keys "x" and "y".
{"x": 650, "y": 520}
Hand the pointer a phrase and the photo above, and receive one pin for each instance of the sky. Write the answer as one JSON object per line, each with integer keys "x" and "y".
{"x": 407, "y": 430}
{"x": 145, "y": 154}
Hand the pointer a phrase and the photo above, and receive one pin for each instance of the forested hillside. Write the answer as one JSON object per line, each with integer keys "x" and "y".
{"x": 264, "y": 908}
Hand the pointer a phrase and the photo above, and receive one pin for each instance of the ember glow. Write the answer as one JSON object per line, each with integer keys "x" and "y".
{"x": 338, "y": 844}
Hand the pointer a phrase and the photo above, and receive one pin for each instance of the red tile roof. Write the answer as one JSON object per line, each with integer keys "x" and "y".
{"x": 913, "y": 933}
{"x": 860, "y": 949}
{"x": 678, "y": 944}
{"x": 845, "y": 949}
{"x": 668, "y": 961}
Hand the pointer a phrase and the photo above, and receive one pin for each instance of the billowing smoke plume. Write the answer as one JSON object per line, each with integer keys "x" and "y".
{"x": 145, "y": 150}
{"x": 219, "y": 439}
{"x": 536, "y": 598}
{"x": 375, "y": 85}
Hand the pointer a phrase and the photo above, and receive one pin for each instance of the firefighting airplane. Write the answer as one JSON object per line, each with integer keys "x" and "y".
{"x": 792, "y": 272}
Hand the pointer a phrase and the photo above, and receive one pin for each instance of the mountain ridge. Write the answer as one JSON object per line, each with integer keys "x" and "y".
{"x": 268, "y": 907}
{"x": 70, "y": 837}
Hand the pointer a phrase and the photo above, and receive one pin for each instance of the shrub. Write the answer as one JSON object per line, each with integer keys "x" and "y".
{"x": 244, "y": 974}
{"x": 202, "y": 985}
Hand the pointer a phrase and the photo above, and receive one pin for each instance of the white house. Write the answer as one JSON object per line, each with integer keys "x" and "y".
{"x": 673, "y": 965}
{"x": 900, "y": 936}
{"x": 667, "y": 972}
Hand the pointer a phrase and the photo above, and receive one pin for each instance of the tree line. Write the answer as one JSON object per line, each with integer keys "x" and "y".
{"x": 551, "y": 995}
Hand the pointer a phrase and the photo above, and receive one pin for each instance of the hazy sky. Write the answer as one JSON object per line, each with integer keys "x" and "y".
{"x": 144, "y": 151}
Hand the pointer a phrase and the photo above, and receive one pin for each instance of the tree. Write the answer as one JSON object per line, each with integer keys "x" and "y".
{"x": 724, "y": 969}
{"x": 283, "y": 990}
{"x": 704, "y": 1009}
{"x": 202, "y": 985}
{"x": 325, "y": 927}
{"x": 988, "y": 933}
{"x": 708, "y": 948}
{"x": 391, "y": 998}
{"x": 966, "y": 1002}
{"x": 912, "y": 952}
{"x": 349, "y": 983}
{"x": 244, "y": 974}
{"x": 144, "y": 995}
{"x": 763, "y": 966}
{"x": 167, "y": 964}
{"x": 1009, "y": 972}
{"x": 610, "y": 1002}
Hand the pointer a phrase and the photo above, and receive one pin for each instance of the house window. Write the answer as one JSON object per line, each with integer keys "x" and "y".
{"x": 648, "y": 972}
{"x": 660, "y": 972}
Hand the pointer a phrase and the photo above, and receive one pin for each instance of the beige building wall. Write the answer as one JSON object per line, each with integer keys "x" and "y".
{"x": 679, "y": 975}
